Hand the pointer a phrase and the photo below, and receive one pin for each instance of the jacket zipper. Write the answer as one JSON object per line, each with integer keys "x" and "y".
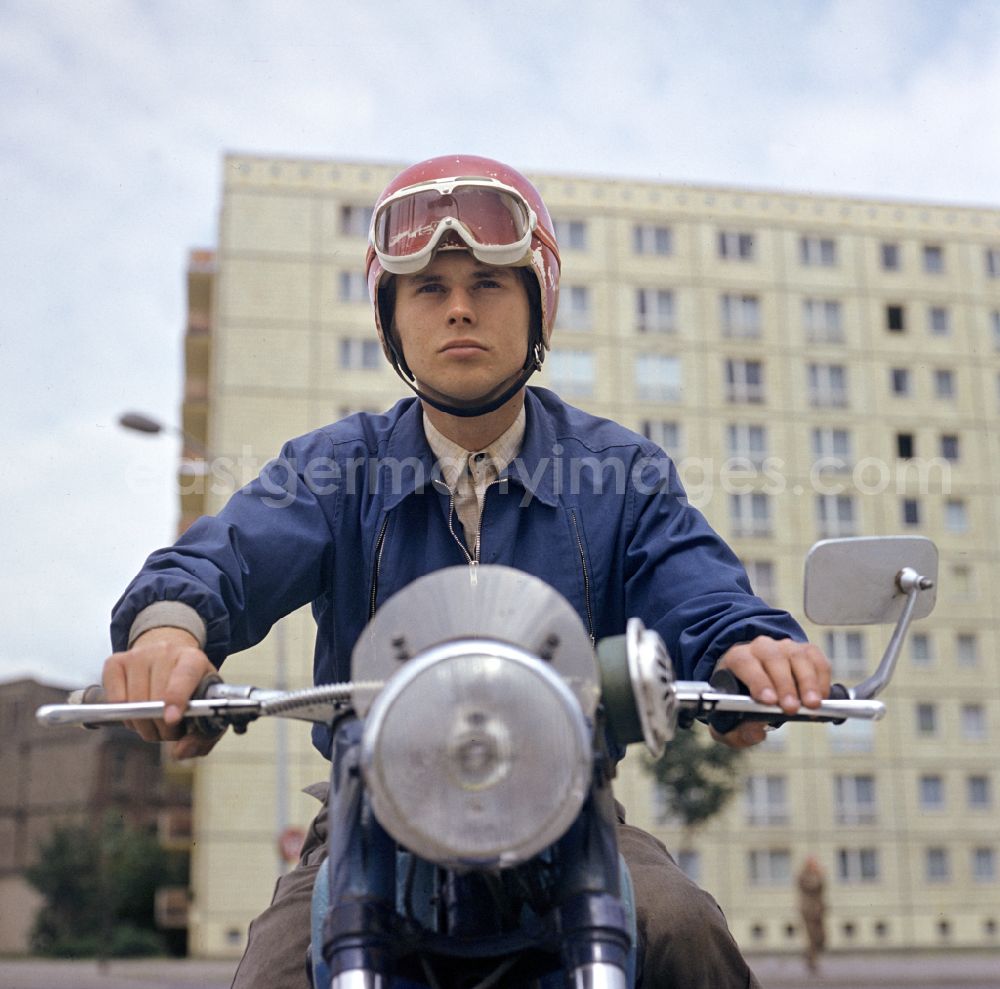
{"x": 586, "y": 576}
{"x": 375, "y": 569}
{"x": 473, "y": 559}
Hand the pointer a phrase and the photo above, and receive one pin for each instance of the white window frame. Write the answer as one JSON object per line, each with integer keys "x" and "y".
{"x": 855, "y": 799}
{"x": 747, "y": 441}
{"x": 831, "y": 443}
{"x": 570, "y": 234}
{"x": 966, "y": 649}
{"x": 890, "y": 255}
{"x": 741, "y": 386}
{"x": 973, "y": 721}
{"x": 572, "y": 371}
{"x": 822, "y": 320}
{"x": 763, "y": 579}
{"x": 736, "y": 245}
{"x": 652, "y": 240}
{"x": 983, "y": 864}
{"x": 978, "y": 792}
{"x": 939, "y": 321}
{"x": 931, "y": 792}
{"x": 769, "y": 867}
{"x": 827, "y": 386}
{"x": 846, "y": 650}
{"x": 857, "y": 865}
{"x": 658, "y": 378}
{"x": 575, "y": 308}
{"x": 352, "y": 286}
{"x": 933, "y": 259}
{"x": 765, "y": 800}
{"x": 360, "y": 354}
{"x": 937, "y": 864}
{"x": 992, "y": 258}
{"x": 836, "y": 515}
{"x": 927, "y": 724}
{"x": 750, "y": 514}
{"x": 900, "y": 382}
{"x": 815, "y": 250}
{"x": 665, "y": 433}
{"x": 956, "y": 515}
{"x": 355, "y": 219}
{"x": 942, "y": 375}
{"x": 922, "y": 655}
{"x": 852, "y": 737}
{"x": 655, "y": 310}
{"x": 739, "y": 315}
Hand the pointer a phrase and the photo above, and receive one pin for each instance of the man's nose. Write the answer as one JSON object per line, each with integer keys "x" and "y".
{"x": 460, "y": 308}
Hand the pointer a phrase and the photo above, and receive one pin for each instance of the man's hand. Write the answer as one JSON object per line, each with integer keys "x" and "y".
{"x": 776, "y": 671}
{"x": 163, "y": 664}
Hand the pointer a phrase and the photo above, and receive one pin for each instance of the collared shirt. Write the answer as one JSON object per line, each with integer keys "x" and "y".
{"x": 468, "y": 473}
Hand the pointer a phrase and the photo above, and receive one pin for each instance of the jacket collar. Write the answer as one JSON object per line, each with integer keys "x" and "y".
{"x": 409, "y": 465}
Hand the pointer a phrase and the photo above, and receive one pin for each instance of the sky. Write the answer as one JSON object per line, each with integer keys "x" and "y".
{"x": 115, "y": 116}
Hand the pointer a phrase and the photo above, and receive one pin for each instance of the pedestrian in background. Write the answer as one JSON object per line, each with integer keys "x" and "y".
{"x": 812, "y": 907}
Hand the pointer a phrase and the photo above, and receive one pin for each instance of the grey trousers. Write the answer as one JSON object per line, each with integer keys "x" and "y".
{"x": 684, "y": 942}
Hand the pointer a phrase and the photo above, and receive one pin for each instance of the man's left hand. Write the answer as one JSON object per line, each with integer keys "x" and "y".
{"x": 776, "y": 671}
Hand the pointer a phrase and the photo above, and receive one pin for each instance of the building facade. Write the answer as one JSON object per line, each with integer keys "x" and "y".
{"x": 817, "y": 366}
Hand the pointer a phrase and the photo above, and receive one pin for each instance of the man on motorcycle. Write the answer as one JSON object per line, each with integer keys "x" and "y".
{"x": 463, "y": 269}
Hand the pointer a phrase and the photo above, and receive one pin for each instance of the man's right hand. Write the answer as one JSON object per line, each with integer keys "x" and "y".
{"x": 163, "y": 664}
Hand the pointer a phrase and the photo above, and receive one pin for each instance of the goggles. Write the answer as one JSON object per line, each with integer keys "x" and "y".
{"x": 492, "y": 219}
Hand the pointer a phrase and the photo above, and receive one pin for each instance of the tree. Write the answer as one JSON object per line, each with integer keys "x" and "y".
{"x": 99, "y": 886}
{"x": 696, "y": 775}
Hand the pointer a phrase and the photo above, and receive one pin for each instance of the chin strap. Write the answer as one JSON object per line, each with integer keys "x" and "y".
{"x": 484, "y": 404}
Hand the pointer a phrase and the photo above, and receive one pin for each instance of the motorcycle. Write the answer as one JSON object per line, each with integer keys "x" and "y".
{"x": 472, "y": 824}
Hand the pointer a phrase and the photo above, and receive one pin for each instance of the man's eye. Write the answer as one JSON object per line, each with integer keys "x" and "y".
{"x": 487, "y": 283}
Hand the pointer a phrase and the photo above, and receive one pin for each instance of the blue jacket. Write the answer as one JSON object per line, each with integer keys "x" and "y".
{"x": 348, "y": 514}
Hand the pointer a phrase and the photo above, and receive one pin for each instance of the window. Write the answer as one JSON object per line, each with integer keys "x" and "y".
{"x": 938, "y": 321}
{"x": 966, "y": 649}
{"x": 895, "y": 319}
{"x": 750, "y": 514}
{"x": 936, "y": 867}
{"x": 744, "y": 381}
{"x": 769, "y": 867}
{"x": 910, "y": 511}
{"x": 973, "y": 720}
{"x": 360, "y": 354}
{"x": 835, "y": 516}
{"x": 995, "y": 327}
{"x": 765, "y": 800}
{"x": 572, "y": 371}
{"x": 821, "y": 320}
{"x": 355, "y": 220}
{"x": 961, "y": 583}
{"x": 654, "y": 310}
{"x": 817, "y": 251}
{"x": 762, "y": 579}
{"x": 944, "y": 383}
{"x": 846, "y": 652}
{"x": 733, "y": 245}
{"x": 984, "y": 865}
{"x": 890, "y": 257}
{"x": 899, "y": 381}
{"x": 746, "y": 441}
{"x": 571, "y": 234}
{"x": 933, "y": 259}
{"x": 827, "y": 385}
{"x": 993, "y": 262}
{"x": 739, "y": 315}
{"x": 977, "y": 792}
{"x": 352, "y": 287}
{"x": 904, "y": 445}
{"x": 854, "y": 799}
{"x": 921, "y": 649}
{"x": 664, "y": 433}
{"x": 926, "y": 718}
{"x": 956, "y": 516}
{"x": 857, "y": 865}
{"x": 950, "y": 447}
{"x": 931, "y": 792}
{"x": 853, "y": 736}
{"x": 658, "y": 378}
{"x": 574, "y": 311}
{"x": 833, "y": 446}
{"x": 649, "y": 239}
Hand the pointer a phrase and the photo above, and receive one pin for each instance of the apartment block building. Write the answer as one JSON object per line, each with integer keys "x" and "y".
{"x": 816, "y": 366}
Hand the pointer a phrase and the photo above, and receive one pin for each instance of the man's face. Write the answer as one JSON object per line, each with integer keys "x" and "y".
{"x": 463, "y": 325}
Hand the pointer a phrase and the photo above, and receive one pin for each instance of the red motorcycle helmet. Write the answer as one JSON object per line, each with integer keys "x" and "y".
{"x": 470, "y": 203}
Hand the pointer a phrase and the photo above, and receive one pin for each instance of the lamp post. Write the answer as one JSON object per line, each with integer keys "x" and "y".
{"x": 141, "y": 423}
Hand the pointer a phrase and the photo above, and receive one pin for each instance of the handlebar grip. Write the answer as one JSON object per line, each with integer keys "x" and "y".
{"x": 723, "y": 722}
{"x": 95, "y": 694}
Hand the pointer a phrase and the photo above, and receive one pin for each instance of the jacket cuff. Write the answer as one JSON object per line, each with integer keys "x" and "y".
{"x": 169, "y": 614}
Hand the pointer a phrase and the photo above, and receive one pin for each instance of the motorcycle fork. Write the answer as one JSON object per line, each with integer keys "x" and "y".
{"x": 595, "y": 932}
{"x": 362, "y": 872}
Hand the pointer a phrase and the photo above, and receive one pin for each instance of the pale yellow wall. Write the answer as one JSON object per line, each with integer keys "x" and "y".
{"x": 278, "y": 327}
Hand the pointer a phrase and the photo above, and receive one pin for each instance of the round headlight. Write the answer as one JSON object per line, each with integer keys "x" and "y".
{"x": 476, "y": 754}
